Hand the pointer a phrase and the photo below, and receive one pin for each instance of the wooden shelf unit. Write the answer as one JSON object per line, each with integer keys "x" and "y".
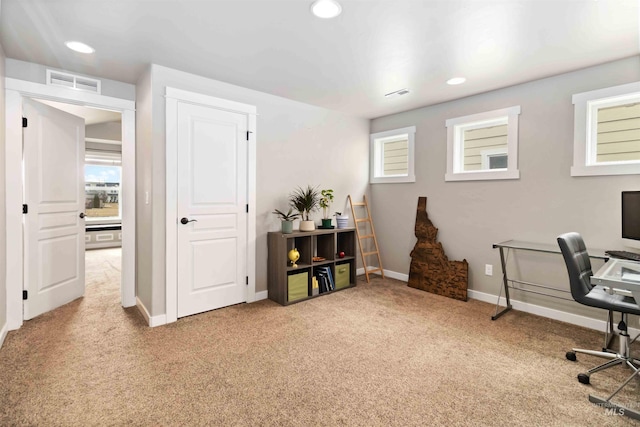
{"x": 322, "y": 243}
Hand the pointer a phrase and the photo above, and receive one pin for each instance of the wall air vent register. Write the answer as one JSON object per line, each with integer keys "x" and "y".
{"x": 71, "y": 81}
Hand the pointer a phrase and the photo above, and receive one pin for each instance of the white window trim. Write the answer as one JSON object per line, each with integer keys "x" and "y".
{"x": 375, "y": 156}
{"x": 455, "y": 131}
{"x": 585, "y": 125}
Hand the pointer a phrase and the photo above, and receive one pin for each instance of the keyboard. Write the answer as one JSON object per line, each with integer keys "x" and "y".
{"x": 632, "y": 256}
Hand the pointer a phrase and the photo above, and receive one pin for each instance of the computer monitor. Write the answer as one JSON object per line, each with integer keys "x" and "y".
{"x": 631, "y": 219}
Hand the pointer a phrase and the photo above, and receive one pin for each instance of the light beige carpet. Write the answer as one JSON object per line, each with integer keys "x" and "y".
{"x": 375, "y": 355}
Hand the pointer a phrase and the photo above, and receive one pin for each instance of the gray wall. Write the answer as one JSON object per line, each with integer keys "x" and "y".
{"x": 297, "y": 144}
{"x": 545, "y": 202}
{"x": 3, "y": 239}
{"x": 38, "y": 74}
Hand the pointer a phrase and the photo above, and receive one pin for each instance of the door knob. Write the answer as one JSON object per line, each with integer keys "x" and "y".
{"x": 81, "y": 215}
{"x": 187, "y": 221}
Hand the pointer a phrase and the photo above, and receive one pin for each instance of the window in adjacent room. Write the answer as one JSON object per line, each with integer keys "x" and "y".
{"x": 102, "y": 175}
{"x": 483, "y": 146}
{"x": 392, "y": 156}
{"x": 607, "y": 131}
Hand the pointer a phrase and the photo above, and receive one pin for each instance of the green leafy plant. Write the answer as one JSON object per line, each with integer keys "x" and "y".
{"x": 305, "y": 200}
{"x": 325, "y": 202}
{"x": 289, "y": 216}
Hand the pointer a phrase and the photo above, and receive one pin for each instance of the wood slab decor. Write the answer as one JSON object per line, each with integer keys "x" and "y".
{"x": 430, "y": 269}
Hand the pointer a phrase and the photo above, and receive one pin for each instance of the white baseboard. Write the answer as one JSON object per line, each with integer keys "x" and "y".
{"x": 395, "y": 275}
{"x": 388, "y": 273}
{"x": 152, "y": 321}
{"x": 563, "y": 316}
{"x": 160, "y": 320}
{"x": 3, "y": 333}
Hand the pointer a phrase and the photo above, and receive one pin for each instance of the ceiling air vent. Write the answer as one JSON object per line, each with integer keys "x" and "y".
{"x": 58, "y": 78}
{"x": 397, "y": 93}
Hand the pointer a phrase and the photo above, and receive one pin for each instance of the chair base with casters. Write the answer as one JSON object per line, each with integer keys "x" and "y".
{"x": 622, "y": 357}
{"x": 609, "y": 335}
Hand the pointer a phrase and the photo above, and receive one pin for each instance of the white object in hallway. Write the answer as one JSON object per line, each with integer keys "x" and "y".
{"x": 54, "y": 193}
{"x": 211, "y": 208}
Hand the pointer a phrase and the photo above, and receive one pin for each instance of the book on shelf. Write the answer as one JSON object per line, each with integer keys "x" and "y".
{"x": 325, "y": 276}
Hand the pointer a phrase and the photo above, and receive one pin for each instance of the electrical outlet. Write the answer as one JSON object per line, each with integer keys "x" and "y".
{"x": 488, "y": 269}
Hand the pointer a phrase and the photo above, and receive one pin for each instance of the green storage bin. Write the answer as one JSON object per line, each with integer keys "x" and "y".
{"x": 342, "y": 275}
{"x": 298, "y": 286}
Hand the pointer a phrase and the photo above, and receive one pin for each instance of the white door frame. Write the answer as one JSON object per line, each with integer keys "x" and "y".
{"x": 15, "y": 91}
{"x": 173, "y": 97}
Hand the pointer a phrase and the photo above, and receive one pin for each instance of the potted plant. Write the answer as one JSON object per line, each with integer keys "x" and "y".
{"x": 305, "y": 201}
{"x": 325, "y": 204}
{"x": 342, "y": 220}
{"x": 287, "y": 220}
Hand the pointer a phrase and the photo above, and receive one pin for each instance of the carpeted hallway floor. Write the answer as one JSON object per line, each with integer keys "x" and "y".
{"x": 375, "y": 355}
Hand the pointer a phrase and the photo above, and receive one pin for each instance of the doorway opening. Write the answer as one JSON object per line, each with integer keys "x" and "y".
{"x": 102, "y": 174}
{"x": 103, "y": 188}
{"x": 17, "y": 263}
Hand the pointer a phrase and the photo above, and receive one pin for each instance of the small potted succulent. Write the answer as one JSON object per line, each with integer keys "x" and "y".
{"x": 287, "y": 220}
{"x": 305, "y": 201}
{"x": 325, "y": 203}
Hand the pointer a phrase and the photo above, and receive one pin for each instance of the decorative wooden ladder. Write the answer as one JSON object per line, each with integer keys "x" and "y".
{"x": 357, "y": 221}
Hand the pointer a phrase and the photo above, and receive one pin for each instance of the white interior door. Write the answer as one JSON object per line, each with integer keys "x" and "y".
{"x": 212, "y": 200}
{"x": 53, "y": 144}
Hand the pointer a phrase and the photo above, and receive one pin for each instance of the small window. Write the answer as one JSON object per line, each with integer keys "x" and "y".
{"x": 607, "y": 131}
{"x": 392, "y": 155}
{"x": 495, "y": 158}
{"x": 483, "y": 146}
{"x": 102, "y": 175}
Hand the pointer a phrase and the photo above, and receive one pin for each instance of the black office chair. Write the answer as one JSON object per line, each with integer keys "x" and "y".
{"x": 578, "y": 264}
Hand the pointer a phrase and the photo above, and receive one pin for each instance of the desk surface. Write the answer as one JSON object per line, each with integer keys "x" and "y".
{"x": 619, "y": 274}
{"x": 545, "y": 247}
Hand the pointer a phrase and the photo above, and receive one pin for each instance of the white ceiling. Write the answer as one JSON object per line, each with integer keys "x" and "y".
{"x": 345, "y": 64}
{"x": 90, "y": 115}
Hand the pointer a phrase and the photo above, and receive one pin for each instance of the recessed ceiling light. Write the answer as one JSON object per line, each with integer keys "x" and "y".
{"x": 79, "y": 47}
{"x": 397, "y": 93}
{"x": 326, "y": 8}
{"x": 456, "y": 81}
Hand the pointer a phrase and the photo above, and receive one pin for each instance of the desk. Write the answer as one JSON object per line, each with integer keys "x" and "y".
{"x": 535, "y": 247}
{"x": 619, "y": 274}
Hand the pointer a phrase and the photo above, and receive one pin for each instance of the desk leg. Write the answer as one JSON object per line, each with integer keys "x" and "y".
{"x": 505, "y": 282}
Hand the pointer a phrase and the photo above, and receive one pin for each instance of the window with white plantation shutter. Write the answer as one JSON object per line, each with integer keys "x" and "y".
{"x": 606, "y": 135}
{"x": 392, "y": 156}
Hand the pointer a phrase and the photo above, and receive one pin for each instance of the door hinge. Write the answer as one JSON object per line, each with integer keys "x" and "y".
{"x": 25, "y": 209}
{"x": 25, "y": 295}
{"x": 247, "y": 208}
{"x": 24, "y": 122}
{"x": 247, "y": 281}
{"x": 248, "y": 132}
